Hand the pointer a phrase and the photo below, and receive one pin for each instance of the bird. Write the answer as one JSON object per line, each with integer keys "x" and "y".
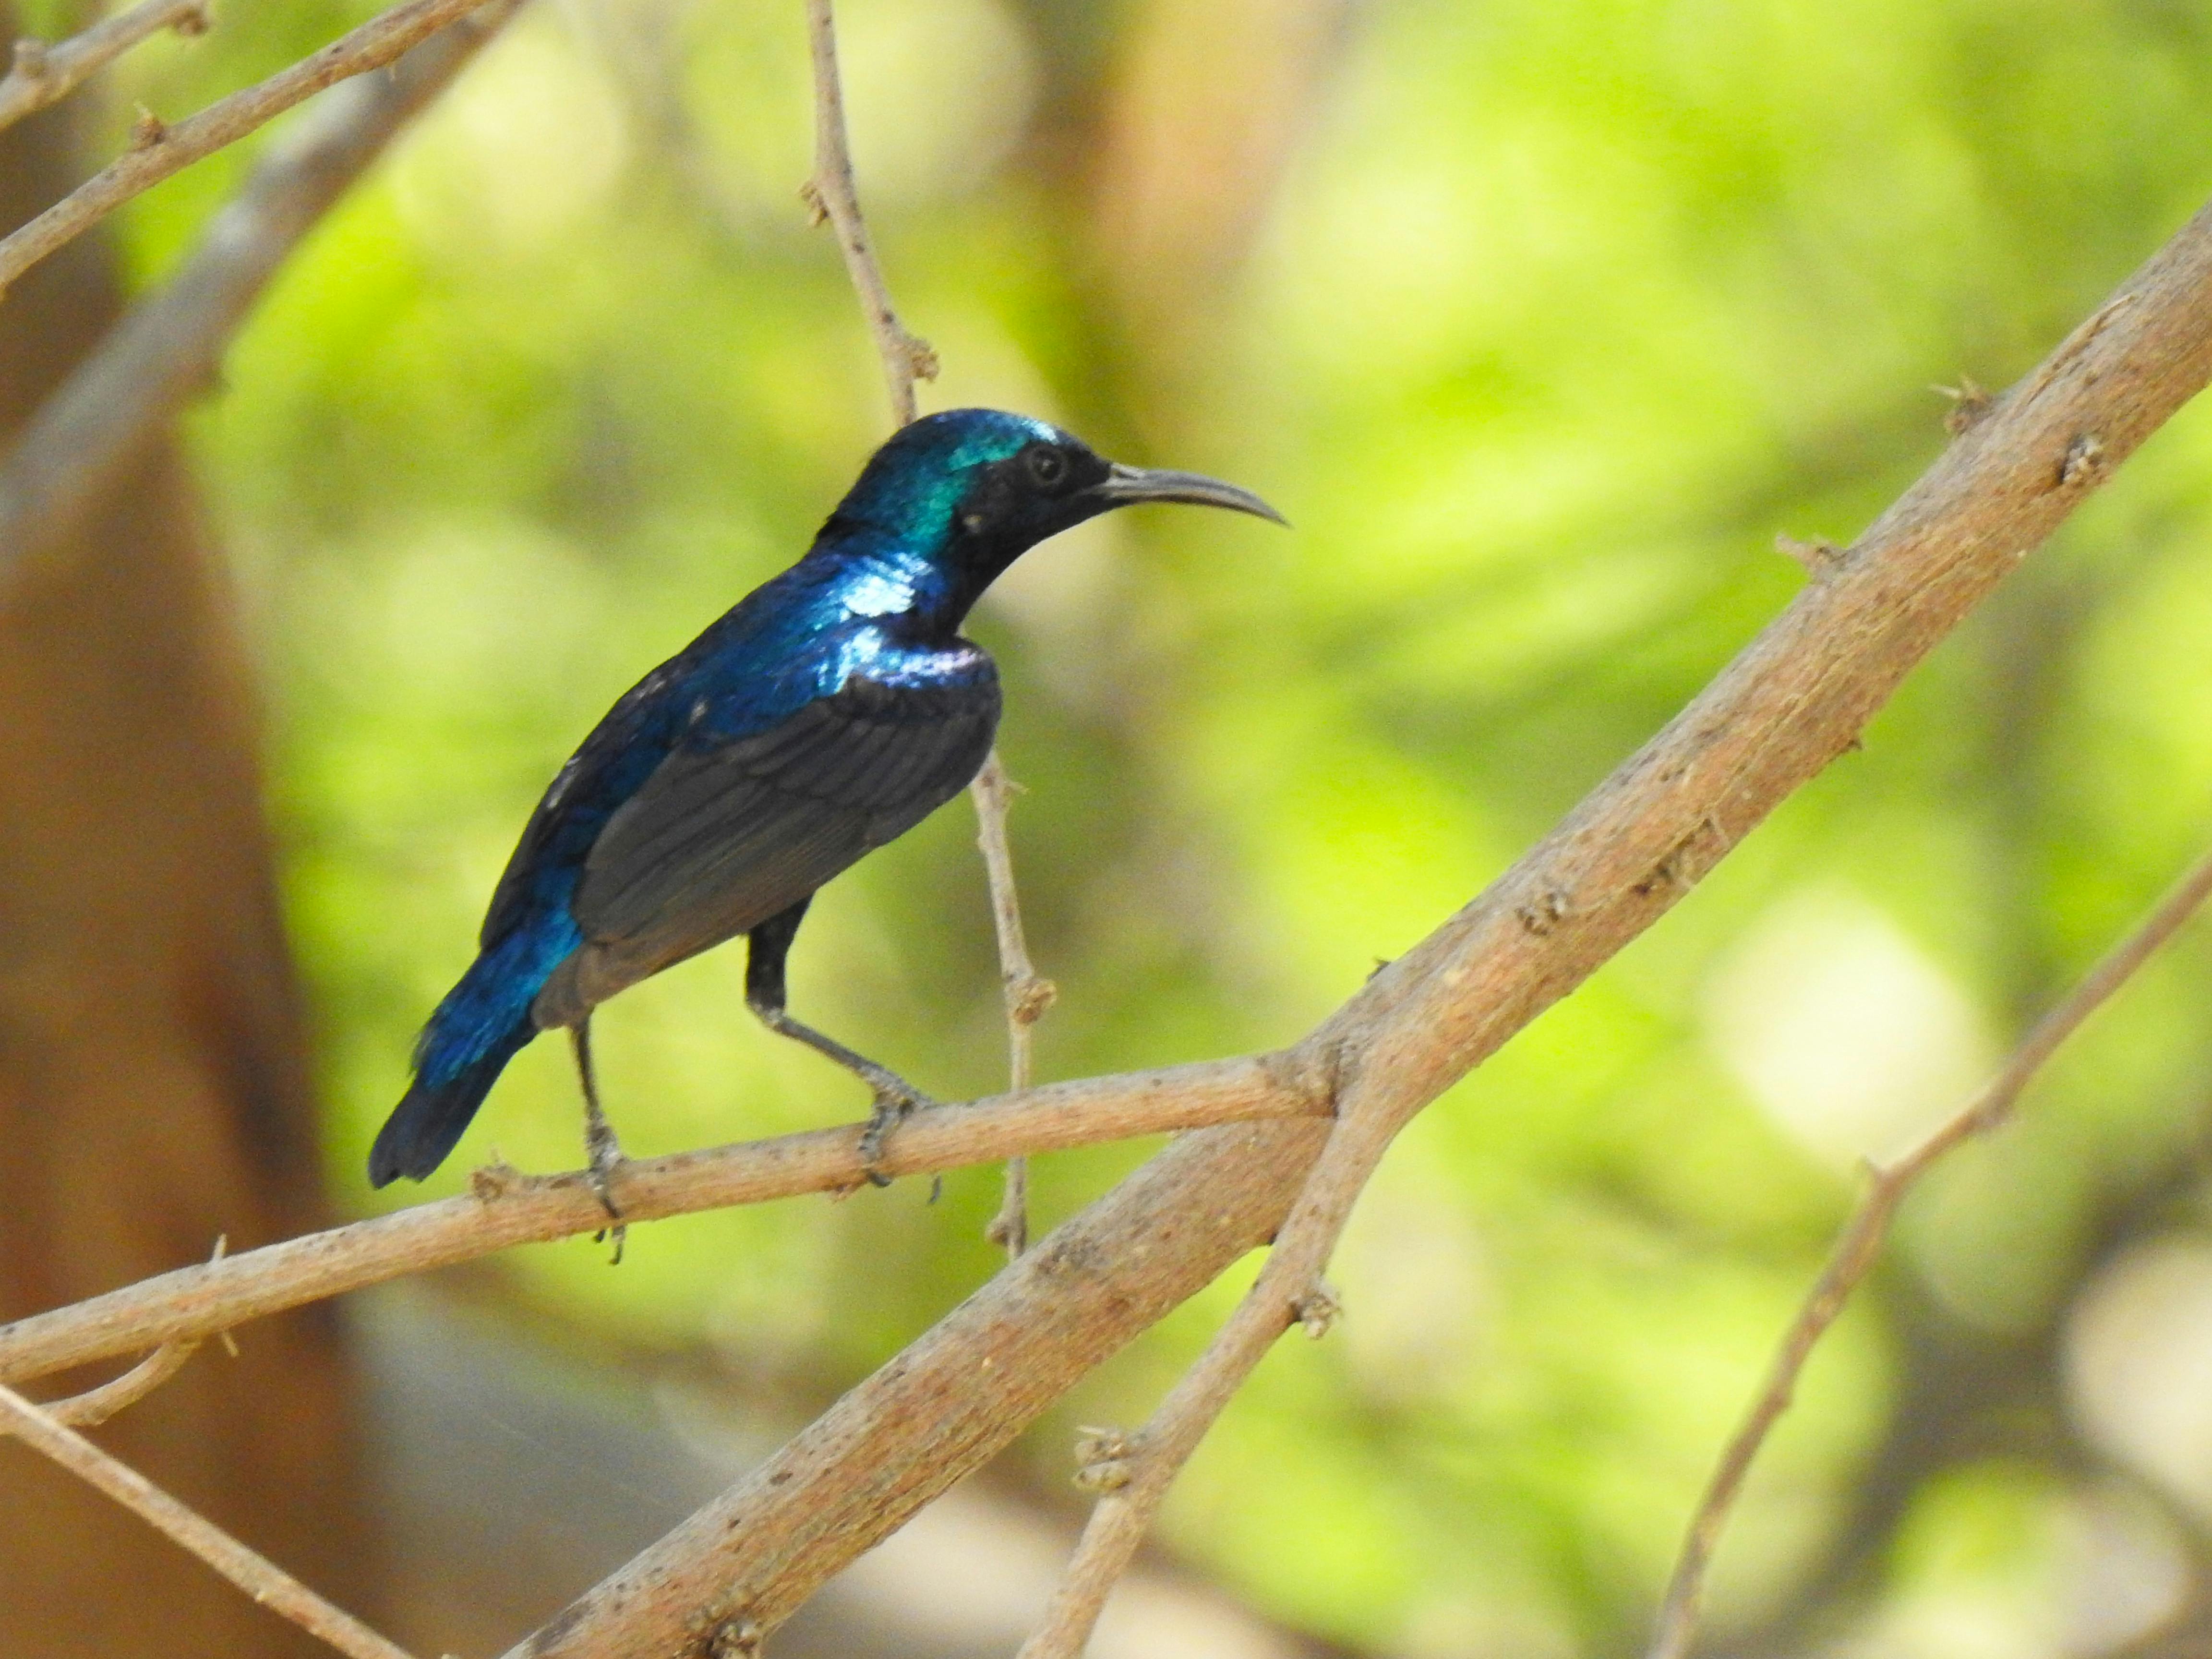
{"x": 829, "y": 712}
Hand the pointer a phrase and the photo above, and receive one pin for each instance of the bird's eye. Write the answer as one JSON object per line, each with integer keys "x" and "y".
{"x": 1047, "y": 466}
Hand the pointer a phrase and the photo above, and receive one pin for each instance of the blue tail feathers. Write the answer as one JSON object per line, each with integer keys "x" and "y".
{"x": 483, "y": 1024}
{"x": 431, "y": 1116}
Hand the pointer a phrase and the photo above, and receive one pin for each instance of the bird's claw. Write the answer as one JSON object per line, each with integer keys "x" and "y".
{"x": 896, "y": 1100}
{"x": 605, "y": 1155}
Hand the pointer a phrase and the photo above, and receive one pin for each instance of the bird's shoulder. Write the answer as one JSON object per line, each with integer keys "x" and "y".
{"x": 629, "y": 743}
{"x": 749, "y": 667}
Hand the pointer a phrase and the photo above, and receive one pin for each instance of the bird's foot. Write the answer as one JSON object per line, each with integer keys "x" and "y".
{"x": 896, "y": 1101}
{"x": 604, "y": 1154}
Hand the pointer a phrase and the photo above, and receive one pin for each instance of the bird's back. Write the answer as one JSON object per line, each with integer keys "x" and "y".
{"x": 726, "y": 835}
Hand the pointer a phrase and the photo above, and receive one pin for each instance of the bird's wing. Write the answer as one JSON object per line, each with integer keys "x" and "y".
{"x": 720, "y": 839}
{"x": 586, "y": 790}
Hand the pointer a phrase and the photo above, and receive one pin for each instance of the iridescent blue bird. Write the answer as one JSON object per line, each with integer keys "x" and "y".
{"x": 832, "y": 710}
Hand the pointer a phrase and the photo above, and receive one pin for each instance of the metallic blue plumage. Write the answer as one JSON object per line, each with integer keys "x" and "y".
{"x": 828, "y": 711}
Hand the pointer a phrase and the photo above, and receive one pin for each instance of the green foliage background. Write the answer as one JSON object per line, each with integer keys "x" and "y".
{"x": 1540, "y": 320}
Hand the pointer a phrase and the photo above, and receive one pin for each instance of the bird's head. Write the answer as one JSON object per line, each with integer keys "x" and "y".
{"x": 970, "y": 490}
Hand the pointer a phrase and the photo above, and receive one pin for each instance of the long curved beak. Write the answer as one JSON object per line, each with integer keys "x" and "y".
{"x": 1126, "y": 484}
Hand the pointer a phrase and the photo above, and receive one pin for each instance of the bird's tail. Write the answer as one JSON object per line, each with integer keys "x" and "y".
{"x": 431, "y": 1116}
{"x": 481, "y": 1024}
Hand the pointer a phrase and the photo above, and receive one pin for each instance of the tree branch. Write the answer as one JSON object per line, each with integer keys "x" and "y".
{"x": 45, "y": 73}
{"x": 1028, "y": 993}
{"x": 90, "y": 430}
{"x": 507, "y": 1207}
{"x": 832, "y": 195}
{"x": 157, "y": 151}
{"x": 943, "y": 1406}
{"x": 258, "y": 1576}
{"x": 93, "y": 1407}
{"x": 1795, "y": 698}
{"x": 1289, "y": 1291}
{"x": 1860, "y": 1243}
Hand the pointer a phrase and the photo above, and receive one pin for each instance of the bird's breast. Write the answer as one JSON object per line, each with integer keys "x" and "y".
{"x": 879, "y": 654}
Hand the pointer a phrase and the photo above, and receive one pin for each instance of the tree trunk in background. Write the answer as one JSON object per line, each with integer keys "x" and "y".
{"x": 154, "y": 1088}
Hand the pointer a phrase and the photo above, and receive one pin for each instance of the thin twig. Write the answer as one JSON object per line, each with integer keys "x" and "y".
{"x": 832, "y": 195}
{"x": 1289, "y": 1291}
{"x": 1860, "y": 1243}
{"x": 258, "y": 1576}
{"x": 94, "y": 426}
{"x": 45, "y": 73}
{"x": 1372, "y": 1105}
{"x": 94, "y": 1407}
{"x": 157, "y": 151}
{"x": 508, "y": 1207}
{"x": 81, "y": 438}
{"x": 1792, "y": 701}
{"x": 1028, "y": 993}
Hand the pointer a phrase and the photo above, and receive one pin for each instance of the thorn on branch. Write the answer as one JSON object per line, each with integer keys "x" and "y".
{"x": 736, "y": 1638}
{"x": 1105, "y": 1459}
{"x": 1318, "y": 1310}
{"x": 2084, "y": 462}
{"x": 1820, "y": 556}
{"x": 817, "y": 210}
{"x": 196, "y": 21}
{"x": 1969, "y": 403}
{"x": 94, "y": 1407}
{"x": 147, "y": 131}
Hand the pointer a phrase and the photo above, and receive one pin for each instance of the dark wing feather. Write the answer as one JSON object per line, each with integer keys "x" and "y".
{"x": 592, "y": 771}
{"x": 719, "y": 840}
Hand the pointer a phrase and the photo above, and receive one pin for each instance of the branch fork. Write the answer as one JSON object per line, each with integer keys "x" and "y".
{"x": 44, "y": 73}
{"x": 1770, "y": 721}
{"x": 1105, "y": 1459}
{"x": 1773, "y": 720}
{"x": 382, "y": 40}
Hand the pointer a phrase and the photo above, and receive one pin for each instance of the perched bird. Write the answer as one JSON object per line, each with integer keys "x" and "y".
{"x": 830, "y": 711}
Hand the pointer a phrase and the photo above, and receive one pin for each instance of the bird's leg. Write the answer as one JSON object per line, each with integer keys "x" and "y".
{"x": 766, "y": 947}
{"x": 601, "y": 1150}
